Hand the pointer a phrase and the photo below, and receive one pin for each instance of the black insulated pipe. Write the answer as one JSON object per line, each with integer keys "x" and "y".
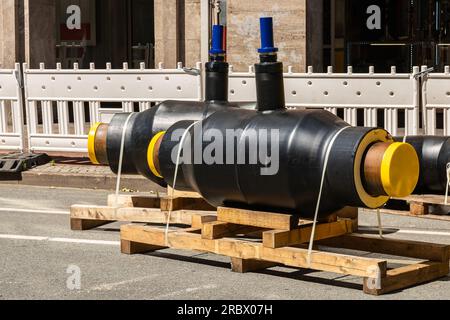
{"x": 434, "y": 155}
{"x": 216, "y": 85}
{"x": 269, "y": 72}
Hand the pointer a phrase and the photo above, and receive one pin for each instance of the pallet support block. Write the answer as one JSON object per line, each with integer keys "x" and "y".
{"x": 130, "y": 248}
{"x": 279, "y": 238}
{"x": 174, "y": 204}
{"x": 407, "y": 276}
{"x": 239, "y": 265}
{"x": 259, "y": 219}
{"x": 84, "y": 224}
{"x": 134, "y": 201}
{"x": 418, "y": 209}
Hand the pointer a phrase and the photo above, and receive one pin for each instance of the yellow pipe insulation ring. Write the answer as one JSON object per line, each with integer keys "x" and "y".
{"x": 150, "y": 153}
{"x": 91, "y": 143}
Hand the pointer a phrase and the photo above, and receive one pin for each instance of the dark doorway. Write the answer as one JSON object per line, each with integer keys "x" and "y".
{"x": 124, "y": 32}
{"x": 385, "y": 33}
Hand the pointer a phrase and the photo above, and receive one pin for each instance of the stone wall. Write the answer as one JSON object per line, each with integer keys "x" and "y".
{"x": 290, "y": 31}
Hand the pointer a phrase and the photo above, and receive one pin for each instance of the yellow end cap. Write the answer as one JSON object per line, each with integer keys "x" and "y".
{"x": 150, "y": 152}
{"x": 400, "y": 170}
{"x": 91, "y": 143}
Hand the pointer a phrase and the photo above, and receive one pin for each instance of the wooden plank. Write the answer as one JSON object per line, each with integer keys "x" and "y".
{"x": 266, "y": 220}
{"x": 83, "y": 224}
{"x": 426, "y": 198}
{"x": 150, "y": 215}
{"x": 249, "y": 265}
{"x": 219, "y": 229}
{"x": 295, "y": 257}
{"x": 323, "y": 261}
{"x": 157, "y": 237}
{"x": 151, "y": 201}
{"x": 174, "y": 204}
{"x": 280, "y": 238}
{"x": 408, "y": 214}
{"x": 403, "y": 248}
{"x": 408, "y": 276}
{"x": 130, "y": 248}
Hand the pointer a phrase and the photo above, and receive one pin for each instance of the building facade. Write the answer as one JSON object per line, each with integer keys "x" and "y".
{"x": 360, "y": 33}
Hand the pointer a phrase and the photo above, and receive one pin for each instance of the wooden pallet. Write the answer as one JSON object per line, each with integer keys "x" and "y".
{"x": 185, "y": 210}
{"x": 258, "y": 240}
{"x": 420, "y": 206}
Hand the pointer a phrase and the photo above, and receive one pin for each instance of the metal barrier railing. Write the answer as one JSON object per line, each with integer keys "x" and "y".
{"x": 11, "y": 110}
{"x": 62, "y": 104}
{"x": 349, "y": 92}
{"x": 436, "y": 101}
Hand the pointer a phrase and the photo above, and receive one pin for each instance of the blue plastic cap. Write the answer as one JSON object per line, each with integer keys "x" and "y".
{"x": 267, "y": 43}
{"x": 217, "y": 40}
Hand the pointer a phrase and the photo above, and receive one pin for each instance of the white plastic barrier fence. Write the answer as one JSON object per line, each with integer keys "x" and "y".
{"x": 349, "y": 91}
{"x": 436, "y": 99}
{"x": 11, "y": 112}
{"x": 62, "y": 104}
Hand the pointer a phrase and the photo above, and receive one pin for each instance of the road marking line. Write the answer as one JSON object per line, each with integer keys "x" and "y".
{"x": 112, "y": 286}
{"x": 405, "y": 231}
{"x": 186, "y": 291}
{"x": 85, "y": 241}
{"x": 60, "y": 240}
{"x": 432, "y": 233}
{"x": 17, "y": 237}
{"x": 43, "y": 211}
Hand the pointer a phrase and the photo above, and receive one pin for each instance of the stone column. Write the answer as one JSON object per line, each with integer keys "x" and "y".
{"x": 192, "y": 32}
{"x": 314, "y": 27}
{"x": 40, "y": 32}
{"x": 9, "y": 33}
{"x": 166, "y": 32}
{"x": 290, "y": 31}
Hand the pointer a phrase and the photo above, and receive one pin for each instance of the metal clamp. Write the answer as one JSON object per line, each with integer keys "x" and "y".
{"x": 423, "y": 73}
{"x": 192, "y": 71}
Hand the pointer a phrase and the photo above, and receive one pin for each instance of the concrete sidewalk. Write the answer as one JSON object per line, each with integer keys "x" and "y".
{"x": 78, "y": 173}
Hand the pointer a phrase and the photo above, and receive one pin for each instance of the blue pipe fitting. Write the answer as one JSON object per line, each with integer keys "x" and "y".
{"x": 267, "y": 43}
{"x": 217, "y": 40}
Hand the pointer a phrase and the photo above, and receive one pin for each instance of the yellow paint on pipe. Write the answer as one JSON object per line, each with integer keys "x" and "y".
{"x": 150, "y": 153}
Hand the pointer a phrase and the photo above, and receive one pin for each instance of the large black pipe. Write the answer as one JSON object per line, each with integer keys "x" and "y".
{"x": 304, "y": 137}
{"x": 434, "y": 155}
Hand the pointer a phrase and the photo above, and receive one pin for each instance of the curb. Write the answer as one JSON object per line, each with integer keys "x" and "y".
{"x": 78, "y": 181}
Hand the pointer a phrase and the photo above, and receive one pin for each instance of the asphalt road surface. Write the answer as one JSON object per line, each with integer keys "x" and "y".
{"x": 40, "y": 254}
